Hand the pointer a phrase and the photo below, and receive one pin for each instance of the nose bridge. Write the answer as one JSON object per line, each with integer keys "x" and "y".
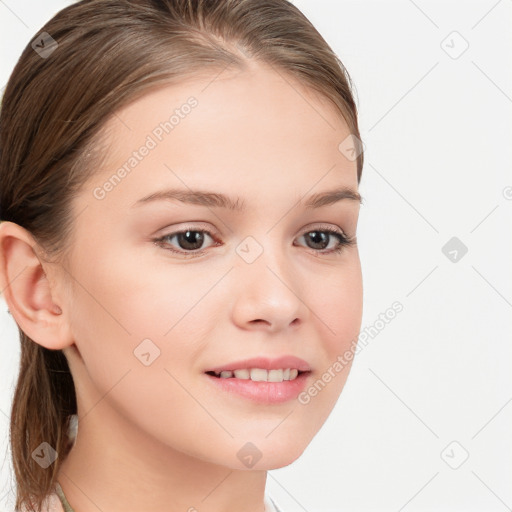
{"x": 264, "y": 268}
{"x": 261, "y": 249}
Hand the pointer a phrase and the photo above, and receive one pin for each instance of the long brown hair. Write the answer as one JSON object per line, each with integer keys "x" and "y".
{"x": 97, "y": 56}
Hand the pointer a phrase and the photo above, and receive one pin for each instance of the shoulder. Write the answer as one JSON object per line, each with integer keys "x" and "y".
{"x": 51, "y": 503}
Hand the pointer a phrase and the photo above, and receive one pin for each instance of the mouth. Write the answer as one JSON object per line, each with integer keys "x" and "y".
{"x": 262, "y": 379}
{"x": 264, "y": 387}
{"x": 259, "y": 374}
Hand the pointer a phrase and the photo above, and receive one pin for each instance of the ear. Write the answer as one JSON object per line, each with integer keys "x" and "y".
{"x": 27, "y": 290}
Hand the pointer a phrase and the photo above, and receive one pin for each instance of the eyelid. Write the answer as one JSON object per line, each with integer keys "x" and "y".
{"x": 319, "y": 227}
{"x": 187, "y": 226}
{"x": 197, "y": 226}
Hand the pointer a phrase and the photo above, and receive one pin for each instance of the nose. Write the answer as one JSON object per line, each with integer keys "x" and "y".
{"x": 268, "y": 293}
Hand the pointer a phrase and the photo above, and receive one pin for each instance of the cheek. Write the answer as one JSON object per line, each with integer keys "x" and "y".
{"x": 151, "y": 323}
{"x": 337, "y": 313}
{"x": 138, "y": 344}
{"x": 120, "y": 311}
{"x": 338, "y": 306}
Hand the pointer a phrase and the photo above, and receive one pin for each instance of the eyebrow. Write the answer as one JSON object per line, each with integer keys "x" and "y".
{"x": 217, "y": 200}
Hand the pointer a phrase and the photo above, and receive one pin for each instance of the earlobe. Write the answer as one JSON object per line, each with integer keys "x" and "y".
{"x": 27, "y": 291}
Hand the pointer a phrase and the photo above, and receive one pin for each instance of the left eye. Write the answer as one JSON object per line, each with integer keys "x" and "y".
{"x": 193, "y": 239}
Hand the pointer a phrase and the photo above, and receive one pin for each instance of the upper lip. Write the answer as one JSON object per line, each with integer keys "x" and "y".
{"x": 266, "y": 363}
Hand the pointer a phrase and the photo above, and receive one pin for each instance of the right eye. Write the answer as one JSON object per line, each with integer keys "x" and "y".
{"x": 188, "y": 240}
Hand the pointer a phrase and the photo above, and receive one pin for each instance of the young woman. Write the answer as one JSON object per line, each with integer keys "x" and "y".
{"x": 179, "y": 204}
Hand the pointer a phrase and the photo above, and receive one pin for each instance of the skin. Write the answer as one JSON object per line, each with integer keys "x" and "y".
{"x": 160, "y": 437}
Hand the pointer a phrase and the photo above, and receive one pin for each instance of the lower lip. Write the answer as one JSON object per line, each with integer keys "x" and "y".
{"x": 261, "y": 391}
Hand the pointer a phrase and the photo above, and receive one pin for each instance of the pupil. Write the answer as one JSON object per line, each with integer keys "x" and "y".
{"x": 191, "y": 241}
{"x": 320, "y": 235}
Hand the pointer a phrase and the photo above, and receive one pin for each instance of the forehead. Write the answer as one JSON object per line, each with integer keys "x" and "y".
{"x": 246, "y": 131}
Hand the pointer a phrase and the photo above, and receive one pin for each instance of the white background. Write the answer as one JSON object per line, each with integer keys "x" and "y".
{"x": 438, "y": 135}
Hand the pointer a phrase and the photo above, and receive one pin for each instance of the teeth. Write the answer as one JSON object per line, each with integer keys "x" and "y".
{"x": 259, "y": 374}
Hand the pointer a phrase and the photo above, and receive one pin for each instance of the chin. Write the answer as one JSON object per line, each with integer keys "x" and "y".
{"x": 279, "y": 457}
{"x": 281, "y": 462}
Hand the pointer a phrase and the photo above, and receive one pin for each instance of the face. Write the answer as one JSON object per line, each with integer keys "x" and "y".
{"x": 222, "y": 284}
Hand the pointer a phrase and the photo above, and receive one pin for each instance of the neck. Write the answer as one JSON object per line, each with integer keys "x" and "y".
{"x": 116, "y": 467}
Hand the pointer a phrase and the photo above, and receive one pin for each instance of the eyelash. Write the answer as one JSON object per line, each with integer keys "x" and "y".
{"x": 344, "y": 241}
